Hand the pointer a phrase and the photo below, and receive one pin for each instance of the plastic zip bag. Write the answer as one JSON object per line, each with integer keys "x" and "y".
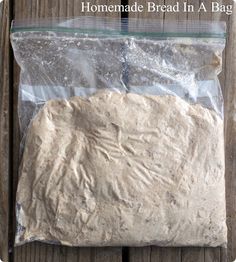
{"x": 122, "y": 127}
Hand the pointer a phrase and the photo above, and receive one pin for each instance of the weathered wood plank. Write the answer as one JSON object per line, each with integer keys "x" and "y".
{"x": 144, "y": 254}
{"x": 193, "y": 255}
{"x": 22, "y": 10}
{"x": 193, "y": 15}
{"x": 4, "y": 130}
{"x": 140, "y": 254}
{"x": 107, "y": 254}
{"x": 219, "y": 254}
{"x": 145, "y": 13}
{"x": 85, "y": 254}
{"x": 173, "y": 253}
{"x": 230, "y": 136}
{"x": 154, "y": 254}
{"x": 224, "y": 254}
{"x": 157, "y": 254}
{"x": 212, "y": 255}
{"x": 165, "y": 254}
{"x": 168, "y": 256}
{"x": 41, "y": 252}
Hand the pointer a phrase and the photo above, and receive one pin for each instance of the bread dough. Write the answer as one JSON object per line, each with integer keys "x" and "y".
{"x": 119, "y": 169}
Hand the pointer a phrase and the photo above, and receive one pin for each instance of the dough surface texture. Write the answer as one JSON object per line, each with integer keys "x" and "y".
{"x": 123, "y": 170}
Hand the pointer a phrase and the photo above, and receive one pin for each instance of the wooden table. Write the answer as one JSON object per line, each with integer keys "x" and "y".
{"x": 9, "y": 144}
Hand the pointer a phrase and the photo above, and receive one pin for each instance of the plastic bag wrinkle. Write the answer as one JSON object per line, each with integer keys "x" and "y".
{"x": 108, "y": 116}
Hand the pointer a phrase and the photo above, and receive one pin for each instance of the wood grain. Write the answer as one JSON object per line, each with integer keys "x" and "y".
{"x": 4, "y": 131}
{"x": 212, "y": 255}
{"x": 165, "y": 254}
{"x": 145, "y": 14}
{"x": 173, "y": 253}
{"x": 193, "y": 254}
{"x": 218, "y": 254}
{"x": 157, "y": 254}
{"x": 230, "y": 136}
{"x": 41, "y": 252}
{"x": 140, "y": 254}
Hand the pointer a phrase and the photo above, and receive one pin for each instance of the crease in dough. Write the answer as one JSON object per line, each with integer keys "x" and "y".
{"x": 123, "y": 169}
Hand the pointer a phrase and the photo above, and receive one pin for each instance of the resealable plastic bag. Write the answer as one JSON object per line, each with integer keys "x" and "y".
{"x": 160, "y": 80}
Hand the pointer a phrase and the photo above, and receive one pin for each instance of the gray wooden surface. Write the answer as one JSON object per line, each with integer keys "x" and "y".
{"x": 4, "y": 132}
{"x": 39, "y": 252}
